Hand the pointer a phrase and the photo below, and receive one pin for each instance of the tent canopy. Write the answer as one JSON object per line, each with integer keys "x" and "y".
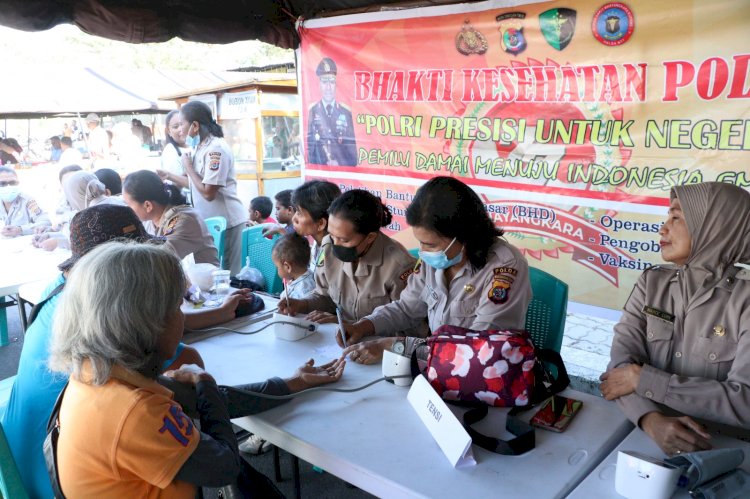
{"x": 207, "y": 21}
{"x": 46, "y": 91}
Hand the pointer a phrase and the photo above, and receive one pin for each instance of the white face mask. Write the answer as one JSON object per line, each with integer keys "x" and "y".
{"x": 9, "y": 193}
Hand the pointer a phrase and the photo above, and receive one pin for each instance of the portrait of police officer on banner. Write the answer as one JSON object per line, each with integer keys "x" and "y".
{"x": 330, "y": 129}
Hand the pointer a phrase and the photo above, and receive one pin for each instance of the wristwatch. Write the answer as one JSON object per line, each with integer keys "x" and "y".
{"x": 399, "y": 346}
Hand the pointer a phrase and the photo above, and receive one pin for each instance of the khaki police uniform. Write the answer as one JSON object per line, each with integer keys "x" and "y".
{"x": 330, "y": 127}
{"x": 330, "y": 135}
{"x": 214, "y": 162}
{"x": 380, "y": 277}
{"x": 493, "y": 297}
{"x": 187, "y": 233}
{"x": 24, "y": 212}
{"x": 694, "y": 361}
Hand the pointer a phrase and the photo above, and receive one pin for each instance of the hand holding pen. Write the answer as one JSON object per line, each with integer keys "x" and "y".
{"x": 341, "y": 326}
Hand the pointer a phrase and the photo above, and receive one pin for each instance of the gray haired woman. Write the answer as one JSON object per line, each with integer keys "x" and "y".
{"x": 121, "y": 430}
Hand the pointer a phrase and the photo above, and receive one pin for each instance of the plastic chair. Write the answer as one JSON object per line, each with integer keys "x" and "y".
{"x": 11, "y": 485}
{"x": 545, "y": 318}
{"x": 414, "y": 252}
{"x": 216, "y": 227}
{"x": 258, "y": 247}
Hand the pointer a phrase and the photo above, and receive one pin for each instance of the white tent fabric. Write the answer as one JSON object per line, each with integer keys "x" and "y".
{"x": 47, "y": 91}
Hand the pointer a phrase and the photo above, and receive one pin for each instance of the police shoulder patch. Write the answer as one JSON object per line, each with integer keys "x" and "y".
{"x": 502, "y": 278}
{"x": 34, "y": 208}
{"x": 214, "y": 160}
{"x": 169, "y": 229}
{"x": 405, "y": 275}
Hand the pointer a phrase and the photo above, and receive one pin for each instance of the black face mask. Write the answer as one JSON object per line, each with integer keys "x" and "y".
{"x": 345, "y": 254}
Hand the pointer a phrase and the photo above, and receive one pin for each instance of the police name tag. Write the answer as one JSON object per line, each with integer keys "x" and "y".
{"x": 445, "y": 428}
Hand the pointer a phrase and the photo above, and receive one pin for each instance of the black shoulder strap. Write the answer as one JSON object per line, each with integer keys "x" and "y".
{"x": 546, "y": 385}
{"x": 50, "y": 446}
{"x": 38, "y": 307}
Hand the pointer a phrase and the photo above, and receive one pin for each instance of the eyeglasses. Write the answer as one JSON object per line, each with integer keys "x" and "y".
{"x": 5, "y": 183}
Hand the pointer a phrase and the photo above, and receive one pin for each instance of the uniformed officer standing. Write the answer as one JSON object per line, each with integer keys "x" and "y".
{"x": 20, "y": 213}
{"x": 330, "y": 130}
{"x": 467, "y": 277}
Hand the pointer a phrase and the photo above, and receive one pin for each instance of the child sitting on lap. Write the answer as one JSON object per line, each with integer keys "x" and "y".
{"x": 291, "y": 255}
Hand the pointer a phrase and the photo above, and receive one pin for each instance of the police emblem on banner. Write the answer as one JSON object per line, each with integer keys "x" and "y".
{"x": 613, "y": 24}
{"x": 558, "y": 26}
{"x": 512, "y": 39}
{"x": 470, "y": 41}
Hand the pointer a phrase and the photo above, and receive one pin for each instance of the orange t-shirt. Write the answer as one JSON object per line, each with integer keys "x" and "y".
{"x": 126, "y": 438}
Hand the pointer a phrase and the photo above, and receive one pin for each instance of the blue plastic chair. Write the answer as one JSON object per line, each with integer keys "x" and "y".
{"x": 11, "y": 485}
{"x": 216, "y": 227}
{"x": 545, "y": 318}
{"x": 414, "y": 252}
{"x": 258, "y": 247}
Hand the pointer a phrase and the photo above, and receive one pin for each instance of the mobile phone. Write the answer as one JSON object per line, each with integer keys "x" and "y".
{"x": 556, "y": 413}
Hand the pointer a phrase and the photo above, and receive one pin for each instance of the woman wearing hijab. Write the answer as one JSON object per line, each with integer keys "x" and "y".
{"x": 682, "y": 346}
{"x": 81, "y": 190}
{"x": 84, "y": 189}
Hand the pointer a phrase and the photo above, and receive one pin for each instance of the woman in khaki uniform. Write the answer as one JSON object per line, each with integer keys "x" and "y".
{"x": 361, "y": 268}
{"x": 468, "y": 276}
{"x": 163, "y": 207}
{"x": 682, "y": 347}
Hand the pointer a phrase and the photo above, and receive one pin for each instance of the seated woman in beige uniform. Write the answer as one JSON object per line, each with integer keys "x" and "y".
{"x": 19, "y": 212}
{"x": 163, "y": 206}
{"x": 468, "y": 276}
{"x": 361, "y": 268}
{"x": 682, "y": 347}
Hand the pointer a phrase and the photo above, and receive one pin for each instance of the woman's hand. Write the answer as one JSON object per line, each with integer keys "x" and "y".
{"x": 291, "y": 307}
{"x": 233, "y": 300}
{"x": 675, "y": 435}
{"x": 11, "y": 231}
{"x": 308, "y": 375}
{"x": 190, "y": 374}
{"x": 369, "y": 352}
{"x": 355, "y": 332}
{"x": 620, "y": 381}
{"x": 45, "y": 241}
{"x": 321, "y": 317}
{"x": 187, "y": 162}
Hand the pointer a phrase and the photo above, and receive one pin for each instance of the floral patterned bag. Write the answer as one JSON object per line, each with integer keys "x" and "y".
{"x": 493, "y": 368}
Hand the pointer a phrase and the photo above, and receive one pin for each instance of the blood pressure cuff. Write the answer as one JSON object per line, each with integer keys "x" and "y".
{"x": 702, "y": 466}
{"x": 729, "y": 485}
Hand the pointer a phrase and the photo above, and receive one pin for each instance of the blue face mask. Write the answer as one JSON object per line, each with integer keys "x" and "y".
{"x": 438, "y": 259}
{"x": 192, "y": 142}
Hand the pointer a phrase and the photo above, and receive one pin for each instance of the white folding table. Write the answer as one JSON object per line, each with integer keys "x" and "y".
{"x": 22, "y": 263}
{"x": 601, "y": 482}
{"x": 374, "y": 439}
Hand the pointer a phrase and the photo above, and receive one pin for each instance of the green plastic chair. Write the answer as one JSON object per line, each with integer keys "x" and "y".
{"x": 11, "y": 486}
{"x": 258, "y": 247}
{"x": 545, "y": 318}
{"x": 216, "y": 227}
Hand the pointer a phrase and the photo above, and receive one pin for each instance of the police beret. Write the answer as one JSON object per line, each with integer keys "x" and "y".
{"x": 326, "y": 67}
